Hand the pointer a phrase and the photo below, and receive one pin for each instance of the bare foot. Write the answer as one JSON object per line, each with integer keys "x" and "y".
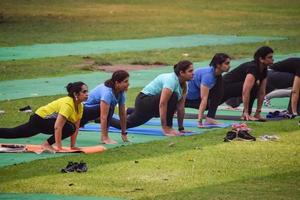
{"x": 47, "y": 147}
{"x": 108, "y": 141}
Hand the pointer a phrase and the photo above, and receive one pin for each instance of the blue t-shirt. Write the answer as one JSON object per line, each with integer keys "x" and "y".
{"x": 168, "y": 80}
{"x": 203, "y": 76}
{"x": 103, "y": 93}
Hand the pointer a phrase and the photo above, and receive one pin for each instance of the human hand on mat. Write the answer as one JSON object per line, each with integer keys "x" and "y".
{"x": 248, "y": 117}
{"x": 107, "y": 140}
{"x": 170, "y": 132}
{"x": 47, "y": 147}
{"x": 210, "y": 121}
{"x": 124, "y": 138}
{"x": 185, "y": 131}
{"x": 75, "y": 148}
{"x": 258, "y": 116}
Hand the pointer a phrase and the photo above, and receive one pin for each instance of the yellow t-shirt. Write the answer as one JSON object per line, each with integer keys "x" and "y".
{"x": 64, "y": 106}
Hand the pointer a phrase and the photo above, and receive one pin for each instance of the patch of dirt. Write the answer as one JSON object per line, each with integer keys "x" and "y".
{"x": 91, "y": 65}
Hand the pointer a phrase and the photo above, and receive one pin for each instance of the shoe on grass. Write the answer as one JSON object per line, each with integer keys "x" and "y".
{"x": 81, "y": 167}
{"x": 26, "y": 109}
{"x": 230, "y": 136}
{"x": 245, "y": 136}
{"x": 71, "y": 167}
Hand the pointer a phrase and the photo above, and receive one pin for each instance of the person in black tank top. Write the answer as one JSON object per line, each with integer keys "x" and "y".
{"x": 249, "y": 82}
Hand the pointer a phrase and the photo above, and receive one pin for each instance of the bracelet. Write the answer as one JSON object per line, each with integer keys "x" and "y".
{"x": 258, "y": 111}
{"x": 124, "y": 133}
{"x": 180, "y": 128}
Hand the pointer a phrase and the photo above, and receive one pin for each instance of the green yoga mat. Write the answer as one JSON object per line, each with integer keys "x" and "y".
{"x": 100, "y": 47}
{"x": 22, "y": 196}
{"x": 16, "y": 89}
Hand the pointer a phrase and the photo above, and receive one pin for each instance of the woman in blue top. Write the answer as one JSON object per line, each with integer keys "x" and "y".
{"x": 102, "y": 101}
{"x": 205, "y": 90}
{"x": 161, "y": 98}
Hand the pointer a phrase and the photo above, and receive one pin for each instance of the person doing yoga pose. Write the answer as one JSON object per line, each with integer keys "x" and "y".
{"x": 161, "y": 98}
{"x": 60, "y": 119}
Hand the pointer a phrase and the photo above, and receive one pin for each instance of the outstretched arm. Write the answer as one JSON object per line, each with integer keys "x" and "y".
{"x": 260, "y": 97}
{"x": 74, "y": 136}
{"x": 247, "y": 87}
{"x": 204, "y": 91}
{"x": 58, "y": 127}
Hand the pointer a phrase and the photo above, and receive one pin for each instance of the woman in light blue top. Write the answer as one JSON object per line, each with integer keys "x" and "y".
{"x": 205, "y": 90}
{"x": 102, "y": 101}
{"x": 161, "y": 98}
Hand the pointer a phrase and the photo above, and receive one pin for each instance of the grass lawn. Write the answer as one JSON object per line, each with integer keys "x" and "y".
{"x": 195, "y": 167}
{"x": 29, "y": 22}
{"x": 35, "y": 21}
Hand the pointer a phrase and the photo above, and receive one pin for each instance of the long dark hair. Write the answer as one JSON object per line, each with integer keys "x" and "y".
{"x": 262, "y": 52}
{"x": 119, "y": 75}
{"x": 218, "y": 59}
{"x": 74, "y": 87}
{"x": 182, "y": 66}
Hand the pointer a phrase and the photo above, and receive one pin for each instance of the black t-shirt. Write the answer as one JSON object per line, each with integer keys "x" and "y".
{"x": 290, "y": 65}
{"x": 239, "y": 74}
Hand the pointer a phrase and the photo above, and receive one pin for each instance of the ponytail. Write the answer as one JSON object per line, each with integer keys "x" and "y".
{"x": 74, "y": 87}
{"x": 119, "y": 75}
{"x": 182, "y": 66}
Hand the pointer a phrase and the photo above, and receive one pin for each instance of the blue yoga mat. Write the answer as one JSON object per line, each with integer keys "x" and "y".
{"x": 136, "y": 130}
{"x": 186, "y": 123}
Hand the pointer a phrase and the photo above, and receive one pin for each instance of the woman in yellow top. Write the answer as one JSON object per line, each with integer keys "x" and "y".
{"x": 60, "y": 119}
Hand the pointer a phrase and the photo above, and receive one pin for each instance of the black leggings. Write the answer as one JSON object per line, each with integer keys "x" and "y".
{"x": 214, "y": 97}
{"x": 36, "y": 125}
{"x": 235, "y": 90}
{"x": 147, "y": 107}
{"x": 93, "y": 112}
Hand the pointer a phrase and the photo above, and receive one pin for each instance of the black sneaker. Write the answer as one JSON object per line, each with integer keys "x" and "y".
{"x": 71, "y": 167}
{"x": 230, "y": 136}
{"x": 246, "y": 136}
{"x": 81, "y": 167}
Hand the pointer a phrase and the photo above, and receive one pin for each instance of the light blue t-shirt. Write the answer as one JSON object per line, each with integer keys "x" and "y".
{"x": 103, "y": 93}
{"x": 202, "y": 76}
{"x": 169, "y": 80}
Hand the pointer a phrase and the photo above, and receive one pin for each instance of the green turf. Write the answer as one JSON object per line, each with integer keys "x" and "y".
{"x": 16, "y": 89}
{"x": 187, "y": 168}
{"x": 62, "y": 66}
{"x": 101, "y": 47}
{"x": 13, "y": 196}
{"x": 198, "y": 167}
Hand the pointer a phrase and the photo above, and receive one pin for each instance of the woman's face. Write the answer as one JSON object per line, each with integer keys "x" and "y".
{"x": 123, "y": 85}
{"x": 225, "y": 66}
{"x": 83, "y": 94}
{"x": 188, "y": 74}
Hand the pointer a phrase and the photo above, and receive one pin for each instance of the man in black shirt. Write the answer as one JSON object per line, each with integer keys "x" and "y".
{"x": 291, "y": 65}
{"x": 249, "y": 82}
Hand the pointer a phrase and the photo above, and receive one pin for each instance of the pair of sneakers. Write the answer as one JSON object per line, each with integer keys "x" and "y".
{"x": 239, "y": 131}
{"x": 75, "y": 166}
